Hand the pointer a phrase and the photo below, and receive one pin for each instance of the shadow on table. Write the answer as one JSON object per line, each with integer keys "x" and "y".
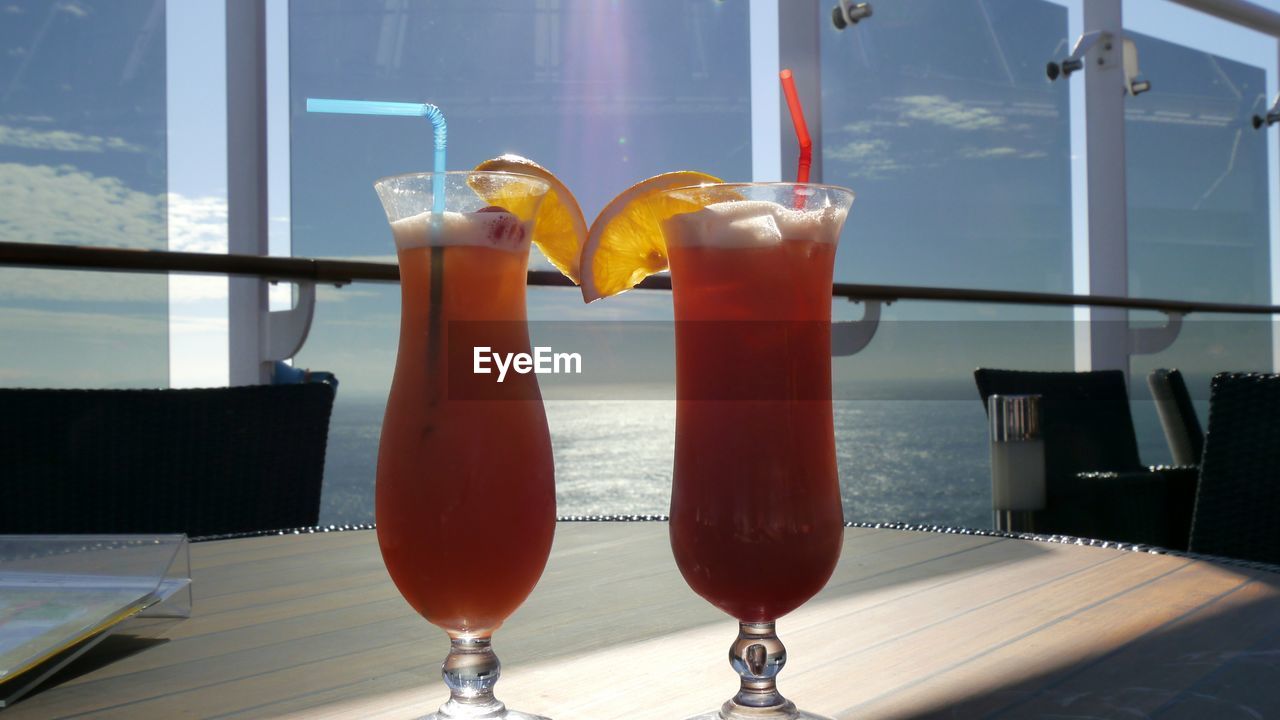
{"x": 1214, "y": 660}
{"x": 110, "y": 650}
{"x": 136, "y": 635}
{"x": 636, "y": 606}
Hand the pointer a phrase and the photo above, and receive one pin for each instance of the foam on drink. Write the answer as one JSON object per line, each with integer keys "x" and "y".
{"x": 496, "y": 228}
{"x": 751, "y": 223}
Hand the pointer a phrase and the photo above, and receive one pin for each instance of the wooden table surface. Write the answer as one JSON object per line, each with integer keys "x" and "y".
{"x": 913, "y": 624}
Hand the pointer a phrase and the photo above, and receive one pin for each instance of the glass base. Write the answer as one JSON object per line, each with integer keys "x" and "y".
{"x": 783, "y": 713}
{"x": 496, "y": 711}
{"x": 507, "y": 715}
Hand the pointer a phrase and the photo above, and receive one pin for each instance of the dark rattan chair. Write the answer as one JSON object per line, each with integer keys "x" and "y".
{"x": 203, "y": 462}
{"x": 1177, "y": 416}
{"x": 1095, "y": 484}
{"x": 1239, "y": 493}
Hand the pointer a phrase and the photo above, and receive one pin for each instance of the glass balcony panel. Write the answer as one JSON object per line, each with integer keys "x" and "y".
{"x": 603, "y": 94}
{"x": 1198, "y": 216}
{"x": 938, "y": 115}
{"x": 82, "y": 162}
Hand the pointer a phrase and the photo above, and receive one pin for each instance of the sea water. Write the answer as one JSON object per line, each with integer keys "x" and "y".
{"x": 912, "y": 461}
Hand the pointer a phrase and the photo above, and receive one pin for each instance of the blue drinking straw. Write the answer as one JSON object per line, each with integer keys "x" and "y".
{"x": 432, "y": 113}
{"x": 401, "y": 109}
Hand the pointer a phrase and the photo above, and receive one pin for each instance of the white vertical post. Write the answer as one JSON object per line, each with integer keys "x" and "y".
{"x": 1079, "y": 198}
{"x": 1107, "y": 250}
{"x": 799, "y": 48}
{"x": 766, "y": 96}
{"x": 279, "y": 239}
{"x": 1273, "y": 178}
{"x": 246, "y": 184}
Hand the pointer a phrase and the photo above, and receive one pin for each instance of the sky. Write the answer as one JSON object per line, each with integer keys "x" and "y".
{"x": 936, "y": 112}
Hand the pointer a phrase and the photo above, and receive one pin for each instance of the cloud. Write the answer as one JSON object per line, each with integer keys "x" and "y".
{"x": 940, "y": 110}
{"x": 867, "y": 127}
{"x": 392, "y": 259}
{"x": 198, "y": 224}
{"x": 196, "y": 325}
{"x": 200, "y": 289}
{"x": 74, "y": 9}
{"x": 992, "y": 152}
{"x": 861, "y": 150}
{"x": 81, "y": 286}
{"x": 970, "y": 152}
{"x": 871, "y": 154}
{"x": 28, "y": 119}
{"x": 870, "y": 159}
{"x": 75, "y": 324}
{"x": 63, "y": 141}
{"x": 46, "y": 204}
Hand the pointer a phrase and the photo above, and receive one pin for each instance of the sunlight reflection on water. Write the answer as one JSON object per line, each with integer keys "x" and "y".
{"x": 910, "y": 461}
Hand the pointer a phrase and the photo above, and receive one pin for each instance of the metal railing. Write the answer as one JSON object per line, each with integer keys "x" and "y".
{"x": 345, "y": 272}
{"x": 1239, "y": 12}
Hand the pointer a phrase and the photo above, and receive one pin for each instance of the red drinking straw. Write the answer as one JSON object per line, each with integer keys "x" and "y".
{"x": 802, "y": 130}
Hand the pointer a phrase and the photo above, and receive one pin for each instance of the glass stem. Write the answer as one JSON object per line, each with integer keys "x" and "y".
{"x": 758, "y": 656}
{"x": 470, "y": 671}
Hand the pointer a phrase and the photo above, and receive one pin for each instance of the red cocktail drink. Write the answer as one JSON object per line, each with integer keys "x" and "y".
{"x": 756, "y": 520}
{"x": 756, "y": 517}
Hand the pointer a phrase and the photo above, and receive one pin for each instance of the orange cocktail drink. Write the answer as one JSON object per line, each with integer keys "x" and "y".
{"x": 465, "y": 499}
{"x": 451, "y": 455}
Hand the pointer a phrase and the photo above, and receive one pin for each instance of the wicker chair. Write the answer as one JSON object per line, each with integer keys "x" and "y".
{"x": 203, "y": 462}
{"x": 1177, "y": 416}
{"x": 1239, "y": 493}
{"x": 1095, "y": 484}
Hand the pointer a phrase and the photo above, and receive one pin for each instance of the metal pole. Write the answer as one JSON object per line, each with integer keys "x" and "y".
{"x": 1273, "y": 174}
{"x": 1108, "y": 265}
{"x": 246, "y": 185}
{"x": 799, "y": 48}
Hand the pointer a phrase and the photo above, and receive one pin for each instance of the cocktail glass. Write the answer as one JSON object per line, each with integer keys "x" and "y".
{"x": 756, "y": 518}
{"x": 465, "y": 500}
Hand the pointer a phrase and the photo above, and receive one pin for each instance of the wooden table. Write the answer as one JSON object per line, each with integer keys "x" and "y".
{"x": 913, "y": 624}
